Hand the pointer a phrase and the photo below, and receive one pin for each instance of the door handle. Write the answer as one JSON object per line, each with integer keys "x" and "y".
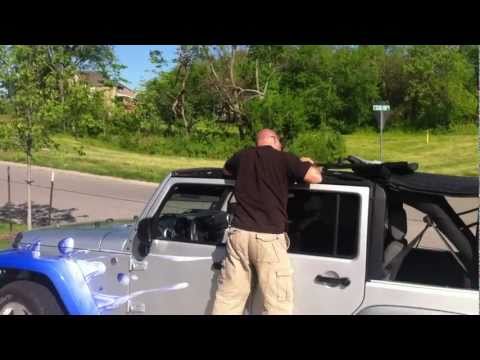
{"x": 343, "y": 282}
{"x": 217, "y": 266}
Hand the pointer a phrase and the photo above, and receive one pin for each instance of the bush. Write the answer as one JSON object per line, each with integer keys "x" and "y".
{"x": 6, "y": 134}
{"x": 198, "y": 145}
{"x": 283, "y": 112}
{"x": 324, "y": 145}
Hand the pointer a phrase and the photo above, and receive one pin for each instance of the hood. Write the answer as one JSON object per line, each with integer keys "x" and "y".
{"x": 87, "y": 236}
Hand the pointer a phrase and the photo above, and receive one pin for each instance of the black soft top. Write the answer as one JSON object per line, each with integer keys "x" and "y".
{"x": 402, "y": 176}
{"x": 454, "y": 186}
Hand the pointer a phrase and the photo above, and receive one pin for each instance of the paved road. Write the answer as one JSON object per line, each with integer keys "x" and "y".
{"x": 82, "y": 197}
{"x": 78, "y": 197}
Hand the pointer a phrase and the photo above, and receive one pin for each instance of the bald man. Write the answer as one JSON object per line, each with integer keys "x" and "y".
{"x": 258, "y": 237}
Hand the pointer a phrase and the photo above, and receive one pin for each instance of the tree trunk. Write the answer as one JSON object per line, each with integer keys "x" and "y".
{"x": 29, "y": 191}
{"x": 28, "y": 149}
{"x": 186, "y": 123}
{"x": 61, "y": 88}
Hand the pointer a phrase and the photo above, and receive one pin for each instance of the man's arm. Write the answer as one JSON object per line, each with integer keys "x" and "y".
{"x": 302, "y": 169}
{"x": 231, "y": 165}
{"x": 313, "y": 175}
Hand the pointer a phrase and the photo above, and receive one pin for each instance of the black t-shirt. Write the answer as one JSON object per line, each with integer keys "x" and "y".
{"x": 262, "y": 176}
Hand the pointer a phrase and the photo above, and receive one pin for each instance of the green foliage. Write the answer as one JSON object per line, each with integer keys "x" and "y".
{"x": 226, "y": 93}
{"x": 283, "y": 112}
{"x": 357, "y": 78}
{"x": 22, "y": 72}
{"x": 324, "y": 145}
{"x": 85, "y": 111}
{"x": 438, "y": 94}
{"x": 198, "y": 145}
{"x": 6, "y": 135}
{"x": 338, "y": 87}
{"x": 308, "y": 73}
{"x": 315, "y": 91}
{"x": 40, "y": 94}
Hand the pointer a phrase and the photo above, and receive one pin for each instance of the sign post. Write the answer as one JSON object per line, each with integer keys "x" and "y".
{"x": 382, "y": 112}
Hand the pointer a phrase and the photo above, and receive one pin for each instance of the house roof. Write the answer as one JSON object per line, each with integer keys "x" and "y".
{"x": 93, "y": 78}
{"x": 96, "y": 79}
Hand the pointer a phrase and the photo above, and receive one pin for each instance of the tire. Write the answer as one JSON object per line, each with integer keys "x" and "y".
{"x": 29, "y": 298}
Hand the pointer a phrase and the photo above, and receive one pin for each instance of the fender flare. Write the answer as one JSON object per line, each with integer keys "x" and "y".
{"x": 65, "y": 276}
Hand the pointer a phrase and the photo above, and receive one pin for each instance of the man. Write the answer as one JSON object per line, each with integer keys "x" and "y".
{"x": 258, "y": 240}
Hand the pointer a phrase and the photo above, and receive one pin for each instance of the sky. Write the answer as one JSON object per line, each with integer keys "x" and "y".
{"x": 137, "y": 60}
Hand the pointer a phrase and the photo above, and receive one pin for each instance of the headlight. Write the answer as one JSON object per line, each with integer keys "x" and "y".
{"x": 17, "y": 240}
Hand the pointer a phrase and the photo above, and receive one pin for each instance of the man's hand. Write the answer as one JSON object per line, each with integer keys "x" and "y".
{"x": 307, "y": 159}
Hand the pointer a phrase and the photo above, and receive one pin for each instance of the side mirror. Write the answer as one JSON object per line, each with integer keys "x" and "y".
{"x": 143, "y": 239}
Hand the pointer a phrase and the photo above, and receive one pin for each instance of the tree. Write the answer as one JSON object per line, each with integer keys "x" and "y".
{"x": 36, "y": 81}
{"x": 308, "y": 73}
{"x": 357, "y": 74}
{"x": 440, "y": 91}
{"x": 186, "y": 55}
{"x": 27, "y": 128}
{"x": 226, "y": 63}
{"x": 57, "y": 66}
{"x": 155, "y": 104}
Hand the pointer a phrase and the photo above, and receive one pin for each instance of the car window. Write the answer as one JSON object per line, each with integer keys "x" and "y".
{"x": 193, "y": 213}
{"x": 324, "y": 223}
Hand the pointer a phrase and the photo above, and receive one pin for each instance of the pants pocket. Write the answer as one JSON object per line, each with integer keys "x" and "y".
{"x": 284, "y": 285}
{"x": 266, "y": 250}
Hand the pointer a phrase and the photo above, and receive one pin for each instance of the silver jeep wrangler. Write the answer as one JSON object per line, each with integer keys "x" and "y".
{"x": 348, "y": 249}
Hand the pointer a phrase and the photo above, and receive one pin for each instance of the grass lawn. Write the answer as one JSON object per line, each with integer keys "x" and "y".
{"x": 5, "y": 236}
{"x": 104, "y": 159}
{"x": 454, "y": 154}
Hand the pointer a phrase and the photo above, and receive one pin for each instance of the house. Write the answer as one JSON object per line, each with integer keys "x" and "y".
{"x": 113, "y": 92}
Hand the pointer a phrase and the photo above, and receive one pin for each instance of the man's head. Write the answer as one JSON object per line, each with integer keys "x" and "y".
{"x": 269, "y": 137}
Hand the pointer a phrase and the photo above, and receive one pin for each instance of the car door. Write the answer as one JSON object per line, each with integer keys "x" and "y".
{"x": 328, "y": 235}
{"x": 179, "y": 275}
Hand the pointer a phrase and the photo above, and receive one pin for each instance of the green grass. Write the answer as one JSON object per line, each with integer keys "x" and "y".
{"x": 6, "y": 237}
{"x": 452, "y": 153}
{"x": 446, "y": 153}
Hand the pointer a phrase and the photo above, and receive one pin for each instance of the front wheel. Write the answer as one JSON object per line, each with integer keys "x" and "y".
{"x": 28, "y": 298}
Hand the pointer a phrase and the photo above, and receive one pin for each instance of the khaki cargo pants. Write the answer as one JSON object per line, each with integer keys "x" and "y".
{"x": 264, "y": 254}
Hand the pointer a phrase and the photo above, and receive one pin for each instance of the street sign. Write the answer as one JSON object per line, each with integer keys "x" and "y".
{"x": 381, "y": 107}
